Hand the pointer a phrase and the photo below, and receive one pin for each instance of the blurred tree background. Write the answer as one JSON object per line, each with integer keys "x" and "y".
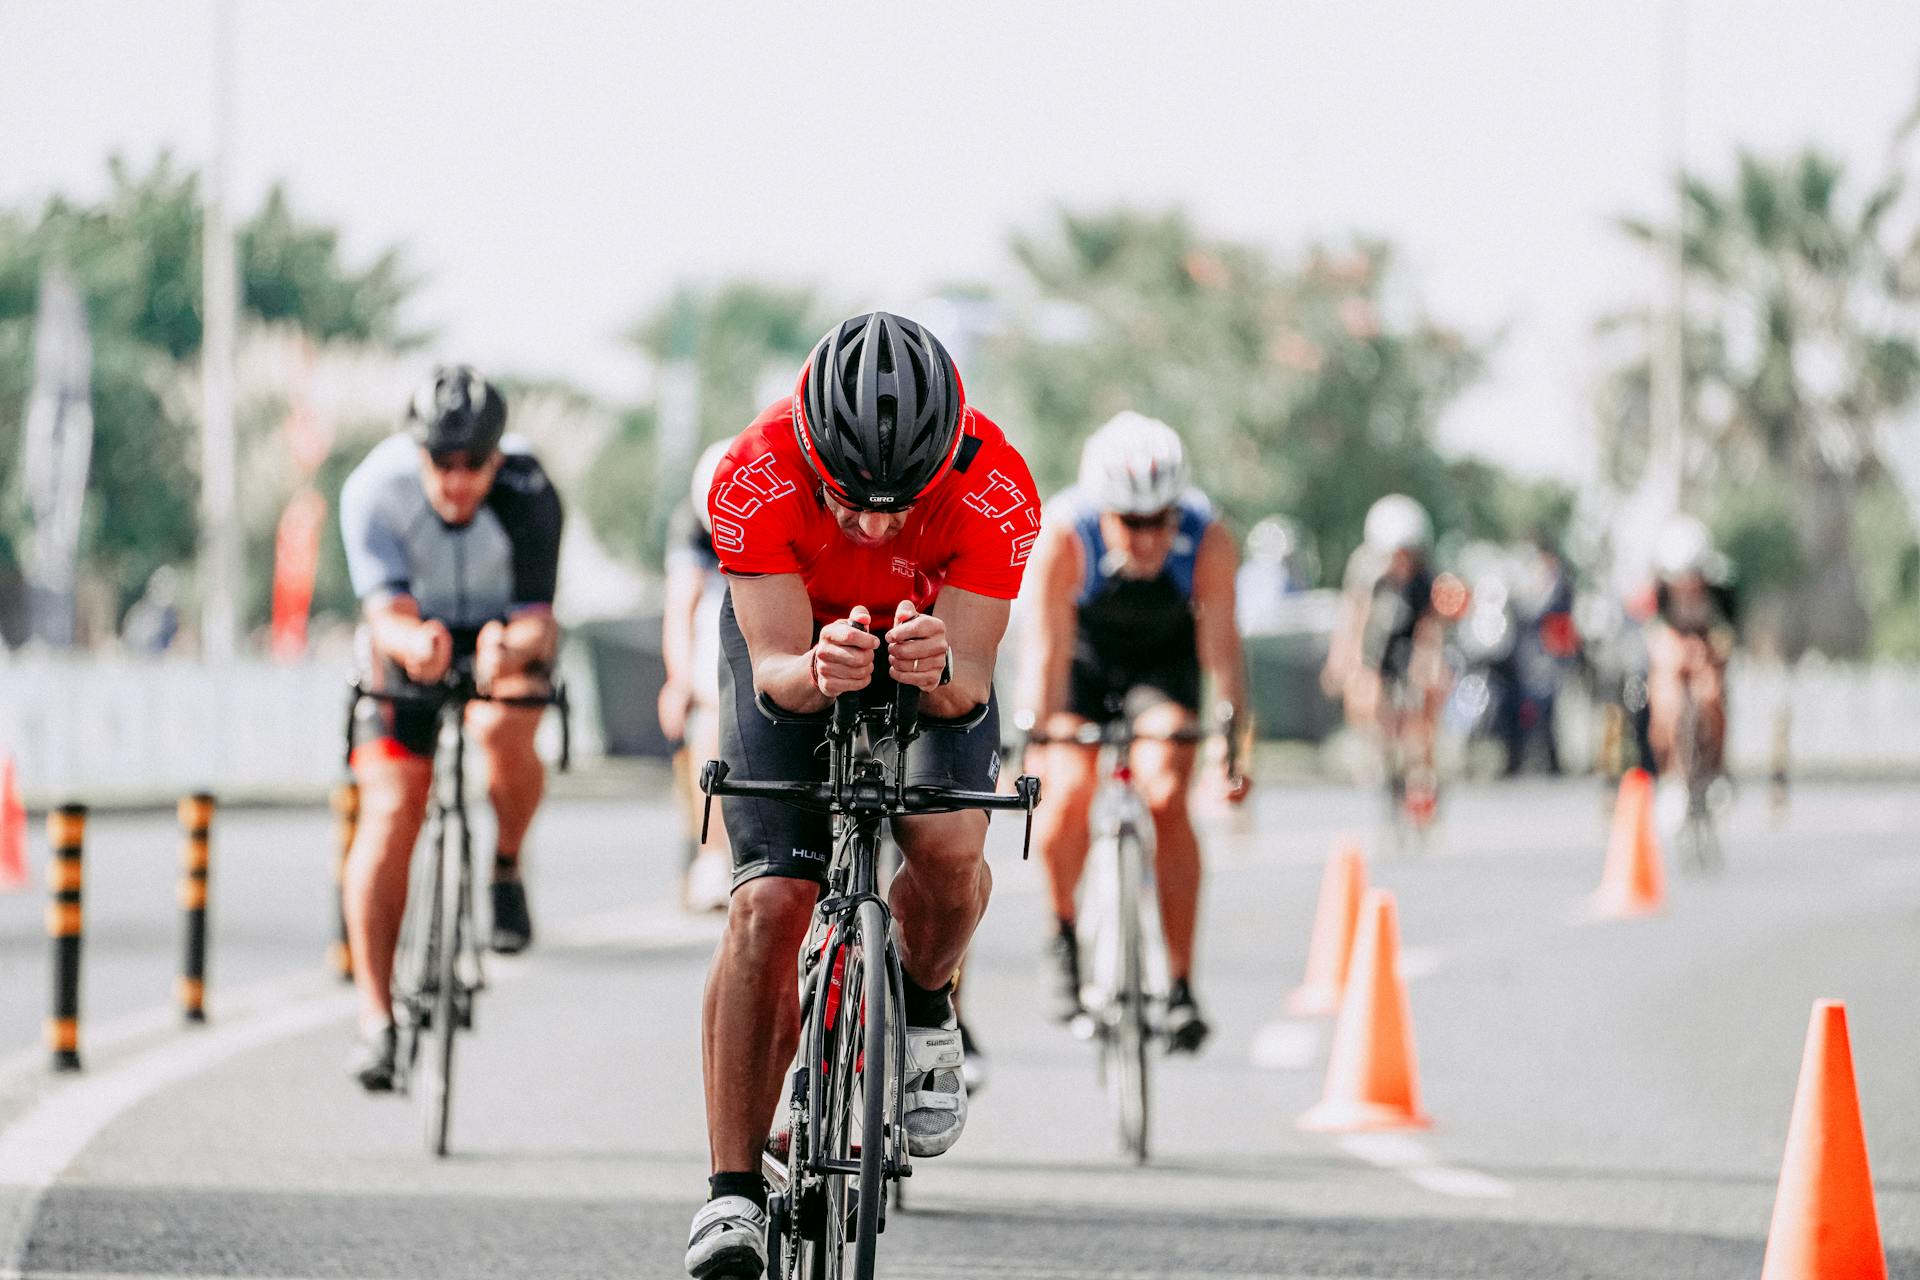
{"x": 1799, "y": 343}
{"x": 734, "y": 348}
{"x": 1308, "y": 387}
{"x": 135, "y": 256}
{"x": 1307, "y": 383}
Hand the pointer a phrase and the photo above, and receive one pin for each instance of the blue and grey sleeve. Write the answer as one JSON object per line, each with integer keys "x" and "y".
{"x": 376, "y": 556}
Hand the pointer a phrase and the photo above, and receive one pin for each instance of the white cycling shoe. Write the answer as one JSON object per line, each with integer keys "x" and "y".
{"x": 728, "y": 1240}
{"x": 936, "y": 1101}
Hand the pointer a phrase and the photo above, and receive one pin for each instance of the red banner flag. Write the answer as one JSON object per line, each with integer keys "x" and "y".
{"x": 296, "y": 559}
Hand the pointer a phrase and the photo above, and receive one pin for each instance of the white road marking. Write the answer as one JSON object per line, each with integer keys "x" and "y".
{"x": 117, "y": 1033}
{"x": 37, "y": 1148}
{"x": 1420, "y": 962}
{"x": 1030, "y": 1271}
{"x": 1286, "y": 1044}
{"x": 122, "y": 1275}
{"x": 1416, "y": 1162}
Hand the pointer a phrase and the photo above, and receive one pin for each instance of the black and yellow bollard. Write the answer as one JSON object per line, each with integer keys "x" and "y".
{"x": 66, "y": 832}
{"x": 346, "y": 813}
{"x": 196, "y": 826}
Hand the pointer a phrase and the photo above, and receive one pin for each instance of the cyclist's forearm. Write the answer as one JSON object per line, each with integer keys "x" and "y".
{"x": 677, "y": 625}
{"x": 393, "y": 626}
{"x": 787, "y": 678}
{"x": 971, "y": 686}
{"x": 529, "y": 639}
{"x": 1045, "y": 690}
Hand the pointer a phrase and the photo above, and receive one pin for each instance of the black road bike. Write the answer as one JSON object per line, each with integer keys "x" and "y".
{"x": 437, "y": 970}
{"x": 845, "y": 1137}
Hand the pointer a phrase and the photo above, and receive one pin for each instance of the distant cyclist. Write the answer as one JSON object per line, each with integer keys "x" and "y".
{"x": 873, "y": 495}
{"x": 1385, "y": 660}
{"x": 690, "y": 697}
{"x": 452, "y": 534}
{"x": 1131, "y": 601}
{"x": 1688, "y": 648}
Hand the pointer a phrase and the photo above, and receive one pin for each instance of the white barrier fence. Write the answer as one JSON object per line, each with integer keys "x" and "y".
{"x": 122, "y": 730}
{"x": 1839, "y": 718}
{"x": 112, "y": 730}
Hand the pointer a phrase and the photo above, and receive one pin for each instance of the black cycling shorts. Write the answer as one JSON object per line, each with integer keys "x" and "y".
{"x": 1103, "y": 692}
{"x": 771, "y": 839}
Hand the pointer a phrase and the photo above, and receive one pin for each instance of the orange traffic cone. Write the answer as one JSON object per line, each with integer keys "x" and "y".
{"x": 1335, "y": 921}
{"x": 1633, "y": 883}
{"x": 1371, "y": 1081}
{"x": 13, "y": 831}
{"x": 1824, "y": 1224}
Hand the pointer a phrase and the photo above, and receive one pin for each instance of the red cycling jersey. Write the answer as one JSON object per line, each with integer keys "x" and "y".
{"x": 973, "y": 530}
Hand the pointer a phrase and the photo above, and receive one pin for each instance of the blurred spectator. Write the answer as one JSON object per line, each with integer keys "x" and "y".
{"x": 1546, "y": 644}
{"x": 689, "y": 700}
{"x": 153, "y": 623}
{"x": 1276, "y": 566}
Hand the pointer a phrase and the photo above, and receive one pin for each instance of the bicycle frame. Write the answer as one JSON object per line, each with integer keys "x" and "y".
{"x": 1120, "y": 871}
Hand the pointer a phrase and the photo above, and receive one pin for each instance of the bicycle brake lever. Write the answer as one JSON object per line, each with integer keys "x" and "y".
{"x": 712, "y": 773}
{"x": 1028, "y": 788}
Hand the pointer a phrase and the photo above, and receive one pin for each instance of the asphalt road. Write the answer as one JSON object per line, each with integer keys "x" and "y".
{"x": 1611, "y": 1099}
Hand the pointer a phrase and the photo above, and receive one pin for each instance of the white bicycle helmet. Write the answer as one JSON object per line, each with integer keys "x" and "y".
{"x": 1683, "y": 547}
{"x": 1134, "y": 465}
{"x": 1397, "y": 523}
{"x": 703, "y": 481}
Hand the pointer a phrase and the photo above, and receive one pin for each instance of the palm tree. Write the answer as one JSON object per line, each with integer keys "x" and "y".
{"x": 1799, "y": 345}
{"x": 1309, "y": 386}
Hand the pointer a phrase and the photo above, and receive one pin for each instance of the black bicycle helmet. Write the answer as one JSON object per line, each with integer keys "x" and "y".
{"x": 877, "y": 411}
{"x": 457, "y": 409}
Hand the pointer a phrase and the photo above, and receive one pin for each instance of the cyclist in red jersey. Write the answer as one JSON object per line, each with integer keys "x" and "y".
{"x": 873, "y": 495}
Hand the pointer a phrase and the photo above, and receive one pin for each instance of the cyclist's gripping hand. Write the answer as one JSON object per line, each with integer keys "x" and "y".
{"x": 916, "y": 647}
{"x": 843, "y": 656}
{"x": 429, "y": 653}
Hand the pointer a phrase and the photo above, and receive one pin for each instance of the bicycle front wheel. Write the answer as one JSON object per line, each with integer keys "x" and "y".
{"x": 839, "y": 1235}
{"x": 1128, "y": 1035}
{"x": 876, "y": 1088}
{"x": 450, "y": 897}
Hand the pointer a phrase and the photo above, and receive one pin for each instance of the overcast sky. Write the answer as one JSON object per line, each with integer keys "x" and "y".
{"x": 554, "y": 169}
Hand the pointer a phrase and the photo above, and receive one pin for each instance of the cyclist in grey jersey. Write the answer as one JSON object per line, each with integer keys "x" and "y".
{"x": 452, "y": 535}
{"x": 500, "y": 563}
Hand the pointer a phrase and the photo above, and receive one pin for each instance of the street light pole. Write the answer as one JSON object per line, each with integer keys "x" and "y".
{"x": 1666, "y": 461}
{"x": 219, "y": 527}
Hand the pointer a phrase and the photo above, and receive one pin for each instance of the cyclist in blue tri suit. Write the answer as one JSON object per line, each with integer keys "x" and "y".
{"x": 1130, "y": 601}
{"x": 452, "y": 534}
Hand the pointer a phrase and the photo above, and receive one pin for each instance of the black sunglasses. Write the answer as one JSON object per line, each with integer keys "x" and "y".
{"x": 1143, "y": 524}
